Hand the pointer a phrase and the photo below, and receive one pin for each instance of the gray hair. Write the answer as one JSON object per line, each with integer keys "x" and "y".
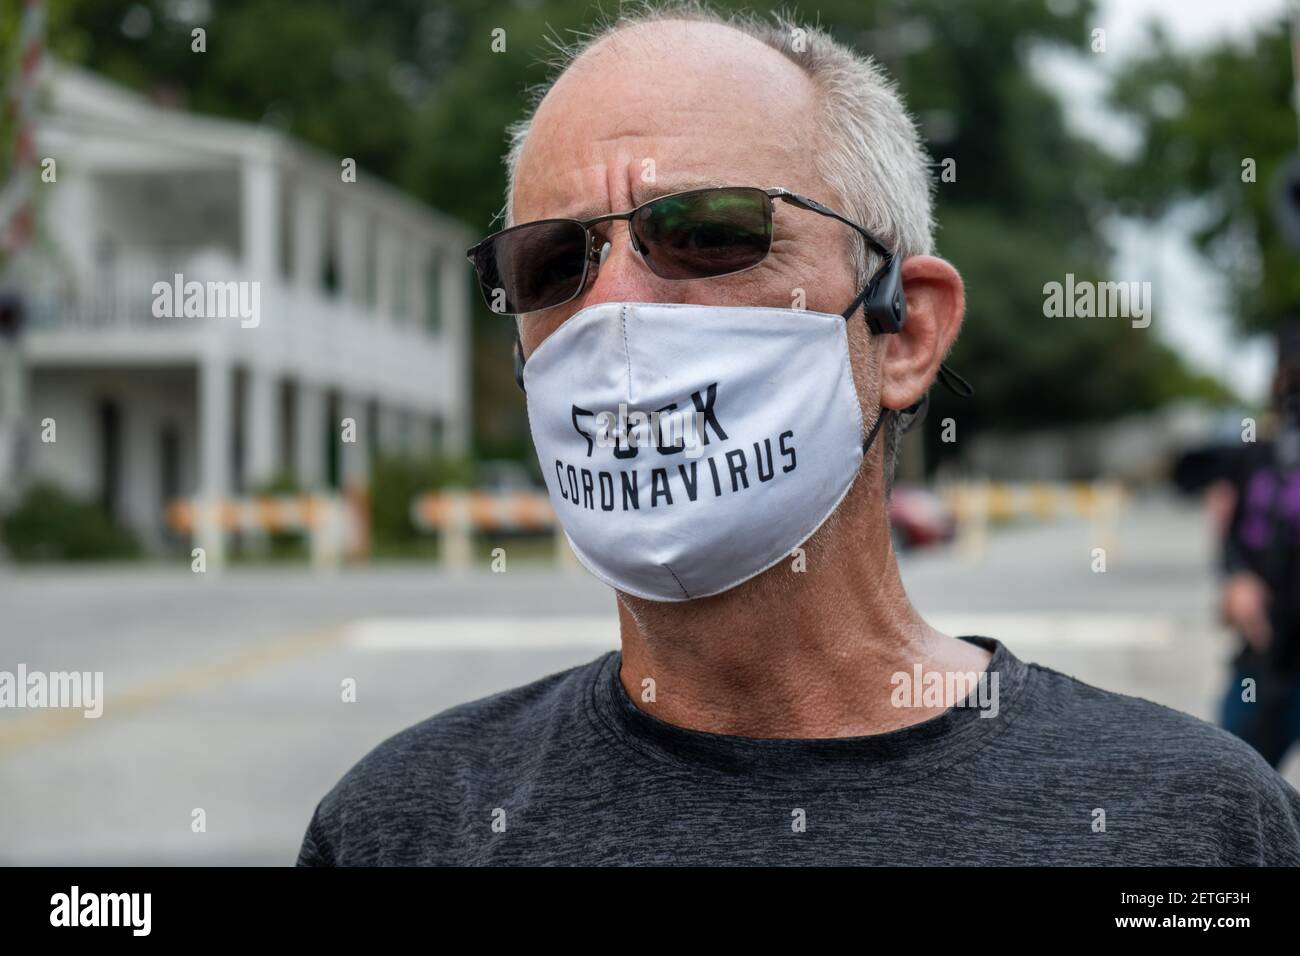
{"x": 870, "y": 154}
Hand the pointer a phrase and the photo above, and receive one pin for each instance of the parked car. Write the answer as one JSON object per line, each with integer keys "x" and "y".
{"x": 918, "y": 518}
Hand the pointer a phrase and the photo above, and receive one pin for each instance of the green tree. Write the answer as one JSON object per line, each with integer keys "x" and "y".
{"x": 1216, "y": 124}
{"x": 416, "y": 93}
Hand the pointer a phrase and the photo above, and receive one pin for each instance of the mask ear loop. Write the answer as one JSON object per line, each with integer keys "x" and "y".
{"x": 871, "y": 435}
{"x": 915, "y": 413}
{"x": 884, "y": 309}
{"x": 955, "y": 383}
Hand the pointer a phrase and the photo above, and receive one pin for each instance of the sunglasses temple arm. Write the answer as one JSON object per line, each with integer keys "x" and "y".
{"x": 813, "y": 205}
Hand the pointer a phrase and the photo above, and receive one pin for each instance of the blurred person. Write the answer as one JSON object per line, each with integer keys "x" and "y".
{"x": 777, "y": 698}
{"x": 1261, "y": 565}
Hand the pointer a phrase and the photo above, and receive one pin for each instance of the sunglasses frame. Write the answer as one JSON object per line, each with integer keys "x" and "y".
{"x": 590, "y": 254}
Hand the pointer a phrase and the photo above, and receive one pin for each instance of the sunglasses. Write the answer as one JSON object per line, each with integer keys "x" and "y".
{"x": 696, "y": 234}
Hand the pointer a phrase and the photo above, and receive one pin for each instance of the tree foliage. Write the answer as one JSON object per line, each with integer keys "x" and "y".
{"x": 415, "y": 92}
{"x": 1216, "y": 125}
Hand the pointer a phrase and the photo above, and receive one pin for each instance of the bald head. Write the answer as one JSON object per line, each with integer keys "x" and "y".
{"x": 670, "y": 105}
{"x": 676, "y": 96}
{"x": 657, "y": 105}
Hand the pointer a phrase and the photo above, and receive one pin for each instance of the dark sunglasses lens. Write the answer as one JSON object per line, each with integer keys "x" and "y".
{"x": 710, "y": 232}
{"x": 533, "y": 267}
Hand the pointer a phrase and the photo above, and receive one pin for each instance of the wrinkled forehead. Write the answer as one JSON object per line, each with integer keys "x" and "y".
{"x": 679, "y": 99}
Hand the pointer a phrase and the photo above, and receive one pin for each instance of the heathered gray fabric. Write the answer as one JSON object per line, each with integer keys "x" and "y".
{"x": 584, "y": 777}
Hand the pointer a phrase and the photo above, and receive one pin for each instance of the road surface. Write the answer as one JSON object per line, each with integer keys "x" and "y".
{"x": 225, "y": 694}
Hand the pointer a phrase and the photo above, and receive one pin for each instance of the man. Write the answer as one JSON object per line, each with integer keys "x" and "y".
{"x": 777, "y": 700}
{"x": 1261, "y": 561}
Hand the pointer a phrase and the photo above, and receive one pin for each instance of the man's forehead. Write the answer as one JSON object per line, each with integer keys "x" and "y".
{"x": 581, "y": 201}
{"x": 659, "y": 108}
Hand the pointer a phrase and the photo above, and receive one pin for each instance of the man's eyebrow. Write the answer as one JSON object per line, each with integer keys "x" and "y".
{"x": 643, "y": 192}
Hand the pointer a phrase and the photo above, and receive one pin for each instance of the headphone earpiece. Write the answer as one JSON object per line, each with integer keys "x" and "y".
{"x": 885, "y": 305}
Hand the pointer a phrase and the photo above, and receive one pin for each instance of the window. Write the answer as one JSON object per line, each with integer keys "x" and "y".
{"x": 169, "y": 471}
{"x": 372, "y": 428}
{"x": 330, "y": 266}
{"x": 402, "y": 295}
{"x": 110, "y": 455}
{"x": 287, "y": 226}
{"x": 288, "y": 411}
{"x": 370, "y": 281}
{"x": 333, "y": 460}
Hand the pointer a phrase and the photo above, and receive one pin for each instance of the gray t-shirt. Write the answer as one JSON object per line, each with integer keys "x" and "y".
{"x": 567, "y": 770}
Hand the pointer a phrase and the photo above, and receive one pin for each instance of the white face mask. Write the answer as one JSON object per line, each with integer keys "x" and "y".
{"x": 757, "y": 440}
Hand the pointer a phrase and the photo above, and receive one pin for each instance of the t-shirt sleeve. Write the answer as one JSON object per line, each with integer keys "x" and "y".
{"x": 315, "y": 849}
{"x": 1279, "y": 823}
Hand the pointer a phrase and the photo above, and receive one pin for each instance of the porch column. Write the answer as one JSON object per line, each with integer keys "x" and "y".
{"x": 214, "y": 418}
{"x": 259, "y": 218}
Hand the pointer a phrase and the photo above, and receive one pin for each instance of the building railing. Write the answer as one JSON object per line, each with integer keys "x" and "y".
{"x": 119, "y": 292}
{"x": 337, "y": 341}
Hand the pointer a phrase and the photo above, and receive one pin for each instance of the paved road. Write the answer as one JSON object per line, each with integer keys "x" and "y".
{"x": 224, "y": 694}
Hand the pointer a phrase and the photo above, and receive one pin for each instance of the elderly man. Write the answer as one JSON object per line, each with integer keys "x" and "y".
{"x": 728, "y": 223}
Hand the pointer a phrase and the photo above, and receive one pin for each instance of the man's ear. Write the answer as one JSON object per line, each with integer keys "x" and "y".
{"x": 936, "y": 301}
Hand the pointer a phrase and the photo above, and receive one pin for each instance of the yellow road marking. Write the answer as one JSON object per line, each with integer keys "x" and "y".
{"x": 17, "y": 733}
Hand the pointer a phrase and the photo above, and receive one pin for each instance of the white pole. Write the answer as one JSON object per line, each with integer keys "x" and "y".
{"x": 457, "y": 533}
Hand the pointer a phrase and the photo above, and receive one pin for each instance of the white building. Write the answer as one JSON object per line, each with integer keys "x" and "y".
{"x": 363, "y": 311}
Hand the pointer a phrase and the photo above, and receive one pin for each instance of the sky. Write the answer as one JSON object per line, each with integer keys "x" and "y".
{"x": 1189, "y": 311}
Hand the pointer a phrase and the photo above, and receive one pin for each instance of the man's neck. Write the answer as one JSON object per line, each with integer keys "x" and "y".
{"x": 800, "y": 651}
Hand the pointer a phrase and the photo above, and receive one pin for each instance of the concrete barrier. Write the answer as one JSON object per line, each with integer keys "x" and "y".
{"x": 977, "y": 503}
{"x": 331, "y": 522}
{"x": 458, "y": 515}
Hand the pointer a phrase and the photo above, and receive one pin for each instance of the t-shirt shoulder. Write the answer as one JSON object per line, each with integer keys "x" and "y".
{"x": 1134, "y": 724}
{"x": 433, "y": 765}
{"x": 1253, "y": 813}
